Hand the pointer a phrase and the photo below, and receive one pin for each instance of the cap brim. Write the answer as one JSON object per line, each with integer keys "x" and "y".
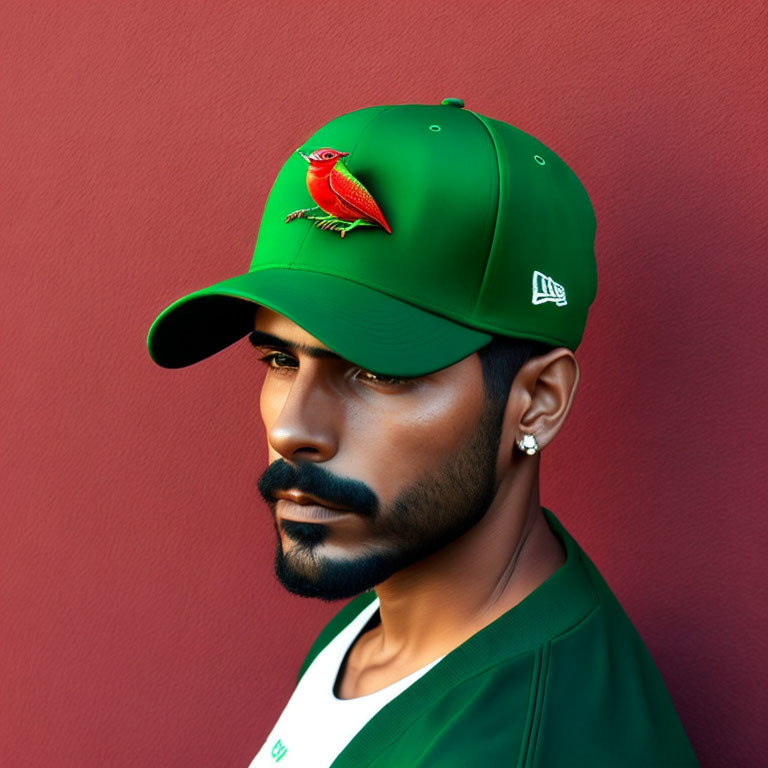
{"x": 370, "y": 329}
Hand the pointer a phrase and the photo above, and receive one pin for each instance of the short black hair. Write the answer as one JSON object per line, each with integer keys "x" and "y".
{"x": 501, "y": 359}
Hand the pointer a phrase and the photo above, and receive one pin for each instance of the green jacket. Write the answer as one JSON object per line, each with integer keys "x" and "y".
{"x": 561, "y": 679}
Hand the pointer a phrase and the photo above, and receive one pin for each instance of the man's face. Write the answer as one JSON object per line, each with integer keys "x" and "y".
{"x": 368, "y": 475}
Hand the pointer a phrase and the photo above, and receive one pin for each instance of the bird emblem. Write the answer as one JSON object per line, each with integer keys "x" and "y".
{"x": 342, "y": 202}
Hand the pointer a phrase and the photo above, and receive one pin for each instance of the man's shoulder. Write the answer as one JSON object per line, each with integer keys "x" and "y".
{"x": 336, "y": 624}
{"x": 562, "y": 679}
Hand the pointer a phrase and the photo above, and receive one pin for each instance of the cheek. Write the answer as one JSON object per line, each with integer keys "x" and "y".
{"x": 392, "y": 449}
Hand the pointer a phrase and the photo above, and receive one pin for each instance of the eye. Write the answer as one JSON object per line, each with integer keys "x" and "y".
{"x": 381, "y": 381}
{"x": 279, "y": 361}
{"x": 327, "y": 155}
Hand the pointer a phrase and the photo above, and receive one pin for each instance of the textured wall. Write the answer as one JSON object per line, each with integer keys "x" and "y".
{"x": 139, "y": 620}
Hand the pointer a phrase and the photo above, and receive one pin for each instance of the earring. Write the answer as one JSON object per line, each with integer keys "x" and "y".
{"x": 528, "y": 444}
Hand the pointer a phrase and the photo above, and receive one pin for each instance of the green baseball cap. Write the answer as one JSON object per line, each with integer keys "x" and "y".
{"x": 414, "y": 233}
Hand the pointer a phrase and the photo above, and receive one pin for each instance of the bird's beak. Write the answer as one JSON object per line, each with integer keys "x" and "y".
{"x": 343, "y": 154}
{"x": 303, "y": 155}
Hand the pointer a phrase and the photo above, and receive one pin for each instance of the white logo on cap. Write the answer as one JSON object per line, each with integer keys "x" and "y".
{"x": 546, "y": 289}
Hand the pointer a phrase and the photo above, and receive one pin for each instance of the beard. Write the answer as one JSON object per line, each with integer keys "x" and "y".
{"x": 425, "y": 517}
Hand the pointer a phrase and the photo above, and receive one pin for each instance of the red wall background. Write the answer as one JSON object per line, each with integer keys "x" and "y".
{"x": 140, "y": 623}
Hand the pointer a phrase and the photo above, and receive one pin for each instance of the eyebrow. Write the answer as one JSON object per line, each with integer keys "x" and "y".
{"x": 263, "y": 339}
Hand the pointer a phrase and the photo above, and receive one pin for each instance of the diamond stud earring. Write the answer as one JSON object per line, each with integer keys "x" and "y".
{"x": 528, "y": 444}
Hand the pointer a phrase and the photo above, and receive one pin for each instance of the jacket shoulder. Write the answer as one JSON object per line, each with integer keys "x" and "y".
{"x": 604, "y": 702}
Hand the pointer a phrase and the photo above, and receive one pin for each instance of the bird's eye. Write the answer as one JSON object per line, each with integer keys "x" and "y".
{"x": 327, "y": 155}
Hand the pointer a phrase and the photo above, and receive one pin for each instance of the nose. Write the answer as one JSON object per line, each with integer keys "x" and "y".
{"x": 307, "y": 426}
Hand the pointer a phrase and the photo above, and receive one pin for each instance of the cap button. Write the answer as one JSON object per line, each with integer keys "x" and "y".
{"x": 452, "y": 103}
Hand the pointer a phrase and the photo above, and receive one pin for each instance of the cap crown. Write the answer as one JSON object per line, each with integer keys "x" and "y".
{"x": 477, "y": 208}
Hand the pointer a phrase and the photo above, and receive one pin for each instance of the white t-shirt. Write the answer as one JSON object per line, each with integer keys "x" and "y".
{"x": 315, "y": 726}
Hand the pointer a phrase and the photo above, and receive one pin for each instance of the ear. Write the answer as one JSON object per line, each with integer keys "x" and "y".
{"x": 540, "y": 397}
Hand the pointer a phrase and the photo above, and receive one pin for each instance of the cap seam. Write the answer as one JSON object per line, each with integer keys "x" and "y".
{"x": 486, "y": 275}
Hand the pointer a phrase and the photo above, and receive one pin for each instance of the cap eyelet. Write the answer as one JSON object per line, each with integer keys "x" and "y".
{"x": 435, "y": 128}
{"x": 539, "y": 159}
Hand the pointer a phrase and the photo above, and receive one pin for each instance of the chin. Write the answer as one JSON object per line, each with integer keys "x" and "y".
{"x": 302, "y": 572}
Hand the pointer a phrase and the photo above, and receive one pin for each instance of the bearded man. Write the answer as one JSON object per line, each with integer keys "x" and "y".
{"x": 421, "y": 280}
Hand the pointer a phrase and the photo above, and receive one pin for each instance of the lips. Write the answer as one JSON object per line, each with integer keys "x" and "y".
{"x": 307, "y": 499}
{"x": 306, "y": 508}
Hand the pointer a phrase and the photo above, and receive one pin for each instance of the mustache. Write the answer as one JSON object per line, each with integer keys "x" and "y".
{"x": 308, "y": 477}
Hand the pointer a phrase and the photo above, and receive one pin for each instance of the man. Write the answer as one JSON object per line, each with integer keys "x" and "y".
{"x": 421, "y": 279}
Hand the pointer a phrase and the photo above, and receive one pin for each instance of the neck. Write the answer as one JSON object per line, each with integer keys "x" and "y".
{"x": 436, "y": 604}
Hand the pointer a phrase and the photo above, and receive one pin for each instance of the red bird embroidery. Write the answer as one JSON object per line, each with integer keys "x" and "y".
{"x": 345, "y": 201}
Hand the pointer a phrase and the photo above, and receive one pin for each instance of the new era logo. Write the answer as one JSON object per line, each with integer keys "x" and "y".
{"x": 546, "y": 289}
